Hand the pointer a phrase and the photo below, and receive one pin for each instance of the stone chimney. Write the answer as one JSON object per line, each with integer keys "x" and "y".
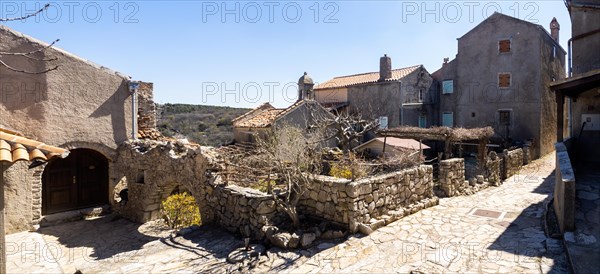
{"x": 554, "y": 29}
{"x": 446, "y": 59}
{"x": 385, "y": 68}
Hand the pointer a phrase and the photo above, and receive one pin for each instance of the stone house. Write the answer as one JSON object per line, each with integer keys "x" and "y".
{"x": 81, "y": 106}
{"x": 578, "y": 132}
{"x": 500, "y": 78}
{"x": 259, "y": 121}
{"x": 405, "y": 96}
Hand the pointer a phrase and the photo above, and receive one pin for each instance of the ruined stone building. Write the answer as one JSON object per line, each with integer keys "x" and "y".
{"x": 81, "y": 106}
{"x": 405, "y": 96}
{"x": 500, "y": 78}
{"x": 257, "y": 122}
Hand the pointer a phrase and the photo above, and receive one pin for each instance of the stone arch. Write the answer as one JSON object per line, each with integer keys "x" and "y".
{"x": 153, "y": 169}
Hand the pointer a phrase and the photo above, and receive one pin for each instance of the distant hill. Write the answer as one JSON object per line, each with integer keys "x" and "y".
{"x": 205, "y": 125}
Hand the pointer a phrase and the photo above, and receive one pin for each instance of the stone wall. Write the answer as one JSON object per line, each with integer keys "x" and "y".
{"x": 564, "y": 190}
{"x": 372, "y": 201}
{"x": 452, "y": 176}
{"x": 513, "y": 161}
{"x": 527, "y": 157}
{"x": 493, "y": 169}
{"x": 241, "y": 210}
{"x": 22, "y": 196}
{"x": 152, "y": 170}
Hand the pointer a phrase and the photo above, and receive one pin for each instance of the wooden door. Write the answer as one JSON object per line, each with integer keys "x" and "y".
{"x": 78, "y": 181}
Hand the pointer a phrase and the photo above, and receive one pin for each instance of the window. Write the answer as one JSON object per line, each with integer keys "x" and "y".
{"x": 504, "y": 117}
{"x": 448, "y": 87}
{"x": 448, "y": 119}
{"x": 504, "y": 80}
{"x": 472, "y": 114}
{"x": 422, "y": 121}
{"x": 504, "y": 46}
{"x": 553, "y": 52}
{"x": 421, "y": 95}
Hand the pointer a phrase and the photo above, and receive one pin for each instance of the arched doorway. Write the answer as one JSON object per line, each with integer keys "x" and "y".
{"x": 78, "y": 181}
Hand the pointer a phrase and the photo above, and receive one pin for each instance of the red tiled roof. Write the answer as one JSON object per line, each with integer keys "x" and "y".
{"x": 15, "y": 148}
{"x": 262, "y": 119}
{"x": 364, "y": 78}
{"x": 264, "y": 115}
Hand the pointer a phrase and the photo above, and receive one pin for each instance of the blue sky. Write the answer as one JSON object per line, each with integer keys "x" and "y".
{"x": 243, "y": 53}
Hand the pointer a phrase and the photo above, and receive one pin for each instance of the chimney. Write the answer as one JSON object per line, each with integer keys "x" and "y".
{"x": 446, "y": 59}
{"x": 385, "y": 68}
{"x": 554, "y": 29}
{"x": 305, "y": 88}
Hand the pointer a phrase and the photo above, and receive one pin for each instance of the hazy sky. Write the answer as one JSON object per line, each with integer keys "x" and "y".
{"x": 243, "y": 53}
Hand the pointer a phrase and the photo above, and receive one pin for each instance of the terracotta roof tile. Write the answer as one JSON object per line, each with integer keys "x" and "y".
{"x": 15, "y": 148}
{"x": 364, "y": 78}
{"x": 262, "y": 119}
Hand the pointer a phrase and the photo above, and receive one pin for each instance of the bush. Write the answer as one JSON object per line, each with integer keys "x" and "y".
{"x": 180, "y": 210}
{"x": 263, "y": 185}
{"x": 348, "y": 167}
{"x": 340, "y": 171}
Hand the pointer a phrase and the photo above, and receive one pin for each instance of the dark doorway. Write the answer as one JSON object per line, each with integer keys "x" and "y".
{"x": 78, "y": 181}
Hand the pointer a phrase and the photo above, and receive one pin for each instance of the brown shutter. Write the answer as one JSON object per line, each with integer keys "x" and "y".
{"x": 504, "y": 46}
{"x": 504, "y": 80}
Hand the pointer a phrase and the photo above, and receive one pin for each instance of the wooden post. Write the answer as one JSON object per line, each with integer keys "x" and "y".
{"x": 448, "y": 149}
{"x": 481, "y": 154}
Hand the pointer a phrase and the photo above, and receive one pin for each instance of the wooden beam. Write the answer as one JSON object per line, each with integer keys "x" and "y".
{"x": 560, "y": 109}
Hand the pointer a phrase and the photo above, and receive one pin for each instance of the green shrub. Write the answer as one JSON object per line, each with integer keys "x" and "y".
{"x": 180, "y": 210}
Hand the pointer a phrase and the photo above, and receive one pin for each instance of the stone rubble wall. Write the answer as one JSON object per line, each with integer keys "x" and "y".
{"x": 493, "y": 169}
{"x": 452, "y": 176}
{"x": 241, "y": 210}
{"x": 513, "y": 161}
{"x": 385, "y": 197}
{"x": 146, "y": 107}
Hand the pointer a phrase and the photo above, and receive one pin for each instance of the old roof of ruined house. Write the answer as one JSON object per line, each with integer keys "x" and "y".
{"x": 264, "y": 115}
{"x": 439, "y": 133}
{"x": 365, "y": 78}
{"x": 14, "y": 147}
{"x": 61, "y": 51}
{"x": 396, "y": 142}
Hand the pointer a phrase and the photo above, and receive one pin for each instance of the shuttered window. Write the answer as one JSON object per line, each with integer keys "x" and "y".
{"x": 504, "y": 46}
{"x": 504, "y": 80}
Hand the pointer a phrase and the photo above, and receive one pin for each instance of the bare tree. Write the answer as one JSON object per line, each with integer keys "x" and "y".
{"x": 346, "y": 128}
{"x": 35, "y": 55}
{"x": 285, "y": 157}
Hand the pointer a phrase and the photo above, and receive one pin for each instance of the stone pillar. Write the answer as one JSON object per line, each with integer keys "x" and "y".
{"x": 452, "y": 176}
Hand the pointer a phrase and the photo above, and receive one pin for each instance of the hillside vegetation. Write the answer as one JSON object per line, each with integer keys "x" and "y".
{"x": 205, "y": 125}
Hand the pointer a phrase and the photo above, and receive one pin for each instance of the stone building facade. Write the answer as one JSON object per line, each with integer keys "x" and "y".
{"x": 405, "y": 96}
{"x": 81, "y": 106}
{"x": 500, "y": 78}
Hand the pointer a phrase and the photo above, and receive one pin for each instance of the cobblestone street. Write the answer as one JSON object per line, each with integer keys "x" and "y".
{"x": 498, "y": 229}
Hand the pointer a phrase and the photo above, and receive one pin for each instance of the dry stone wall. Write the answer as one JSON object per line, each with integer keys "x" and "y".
{"x": 494, "y": 173}
{"x": 372, "y": 201}
{"x": 513, "y": 160}
{"x": 452, "y": 176}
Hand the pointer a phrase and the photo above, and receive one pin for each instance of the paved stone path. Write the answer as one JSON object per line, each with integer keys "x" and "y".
{"x": 445, "y": 238}
{"x": 449, "y": 238}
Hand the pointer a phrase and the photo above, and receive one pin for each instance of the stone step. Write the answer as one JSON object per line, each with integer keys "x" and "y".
{"x": 73, "y": 215}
